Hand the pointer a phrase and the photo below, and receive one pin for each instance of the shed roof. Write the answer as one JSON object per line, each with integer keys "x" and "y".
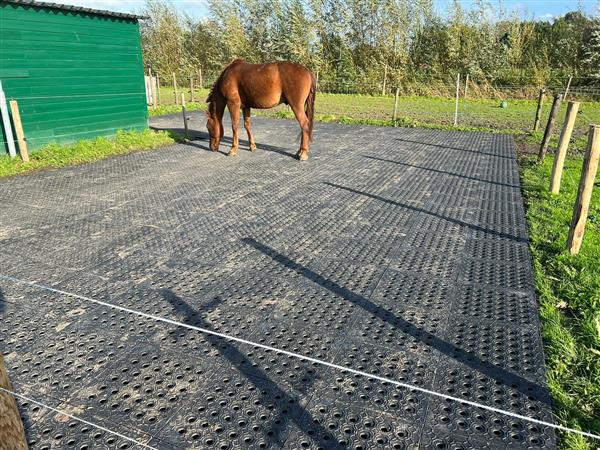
{"x": 73, "y": 8}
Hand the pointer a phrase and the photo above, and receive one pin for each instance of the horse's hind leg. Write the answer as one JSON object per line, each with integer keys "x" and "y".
{"x": 248, "y": 130}
{"x": 234, "y": 110}
{"x": 298, "y": 108}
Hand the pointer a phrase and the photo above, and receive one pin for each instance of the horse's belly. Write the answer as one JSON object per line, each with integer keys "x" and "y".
{"x": 261, "y": 93}
{"x": 263, "y": 101}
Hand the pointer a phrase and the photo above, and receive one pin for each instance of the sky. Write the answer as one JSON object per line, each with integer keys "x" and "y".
{"x": 538, "y": 9}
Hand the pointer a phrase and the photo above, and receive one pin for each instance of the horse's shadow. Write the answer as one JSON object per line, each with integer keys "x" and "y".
{"x": 199, "y": 139}
{"x": 265, "y": 147}
{"x": 274, "y": 149}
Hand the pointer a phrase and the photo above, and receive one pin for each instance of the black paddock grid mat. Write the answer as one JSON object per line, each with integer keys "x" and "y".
{"x": 397, "y": 252}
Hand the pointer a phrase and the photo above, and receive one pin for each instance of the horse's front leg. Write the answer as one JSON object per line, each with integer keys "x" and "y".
{"x": 234, "y": 110}
{"x": 248, "y": 129}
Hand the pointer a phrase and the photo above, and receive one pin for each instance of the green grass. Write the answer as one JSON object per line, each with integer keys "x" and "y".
{"x": 405, "y": 122}
{"x": 55, "y": 155}
{"x": 163, "y": 110}
{"x": 569, "y": 294}
{"x": 167, "y": 97}
{"x": 477, "y": 114}
{"x": 421, "y": 112}
{"x": 435, "y": 112}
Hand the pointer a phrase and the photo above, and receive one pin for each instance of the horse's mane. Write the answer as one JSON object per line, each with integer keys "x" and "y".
{"x": 217, "y": 84}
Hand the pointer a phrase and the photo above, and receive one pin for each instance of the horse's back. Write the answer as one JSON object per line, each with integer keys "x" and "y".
{"x": 265, "y": 85}
{"x": 294, "y": 75}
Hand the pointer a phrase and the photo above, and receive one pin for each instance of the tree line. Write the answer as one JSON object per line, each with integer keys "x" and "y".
{"x": 361, "y": 41}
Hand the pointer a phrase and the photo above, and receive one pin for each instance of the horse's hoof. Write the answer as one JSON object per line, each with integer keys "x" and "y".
{"x": 232, "y": 153}
{"x": 303, "y": 156}
{"x": 252, "y": 147}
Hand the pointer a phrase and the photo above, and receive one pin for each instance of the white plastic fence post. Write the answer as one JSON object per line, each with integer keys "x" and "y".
{"x": 456, "y": 103}
{"x": 10, "y": 140}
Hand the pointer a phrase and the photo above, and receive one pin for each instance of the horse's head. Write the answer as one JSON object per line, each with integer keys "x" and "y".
{"x": 214, "y": 125}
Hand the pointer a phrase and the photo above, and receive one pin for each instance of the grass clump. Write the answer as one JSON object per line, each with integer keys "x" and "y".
{"x": 60, "y": 155}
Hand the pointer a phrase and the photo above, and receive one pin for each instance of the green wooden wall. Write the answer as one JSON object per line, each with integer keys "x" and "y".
{"x": 75, "y": 75}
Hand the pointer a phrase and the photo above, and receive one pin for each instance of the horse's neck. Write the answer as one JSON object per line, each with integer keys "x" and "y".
{"x": 217, "y": 106}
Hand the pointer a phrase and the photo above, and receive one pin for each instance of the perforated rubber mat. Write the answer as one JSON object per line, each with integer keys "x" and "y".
{"x": 398, "y": 252}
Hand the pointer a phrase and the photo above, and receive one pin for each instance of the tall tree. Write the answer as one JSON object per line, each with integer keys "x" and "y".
{"x": 356, "y": 41}
{"x": 163, "y": 38}
{"x": 591, "y": 57}
{"x": 296, "y": 33}
{"x": 231, "y": 33}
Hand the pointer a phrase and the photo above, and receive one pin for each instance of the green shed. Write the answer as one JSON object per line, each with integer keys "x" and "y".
{"x": 75, "y": 72}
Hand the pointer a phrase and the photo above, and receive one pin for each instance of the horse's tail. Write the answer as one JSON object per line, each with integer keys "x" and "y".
{"x": 309, "y": 105}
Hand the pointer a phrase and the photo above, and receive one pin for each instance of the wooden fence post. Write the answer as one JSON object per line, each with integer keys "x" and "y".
{"x": 200, "y": 75}
{"x": 12, "y": 433}
{"x": 175, "y": 89}
{"x": 456, "y": 102}
{"x": 14, "y": 108}
{"x": 584, "y": 194}
{"x": 563, "y": 144}
{"x": 538, "y": 111}
{"x": 549, "y": 127}
{"x": 384, "y": 79}
{"x": 192, "y": 89}
{"x": 394, "y": 115}
{"x": 183, "y": 111}
{"x": 466, "y": 84}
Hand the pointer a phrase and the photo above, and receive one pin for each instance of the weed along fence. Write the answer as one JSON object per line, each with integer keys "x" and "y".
{"x": 589, "y": 169}
{"x": 72, "y": 73}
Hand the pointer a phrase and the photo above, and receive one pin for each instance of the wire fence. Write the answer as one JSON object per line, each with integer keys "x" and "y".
{"x": 441, "y": 87}
{"x": 474, "y": 105}
{"x": 467, "y": 104}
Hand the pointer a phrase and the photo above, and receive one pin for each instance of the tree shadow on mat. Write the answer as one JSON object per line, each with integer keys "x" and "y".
{"x": 429, "y": 144}
{"x": 430, "y": 169}
{"x": 472, "y": 226}
{"x": 502, "y": 376}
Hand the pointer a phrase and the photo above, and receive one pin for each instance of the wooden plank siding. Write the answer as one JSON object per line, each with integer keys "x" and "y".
{"x": 74, "y": 74}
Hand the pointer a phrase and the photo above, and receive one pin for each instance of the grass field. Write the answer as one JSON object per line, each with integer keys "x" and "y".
{"x": 427, "y": 112}
{"x": 569, "y": 295}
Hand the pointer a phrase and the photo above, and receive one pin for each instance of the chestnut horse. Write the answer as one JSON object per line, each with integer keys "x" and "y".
{"x": 244, "y": 86}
